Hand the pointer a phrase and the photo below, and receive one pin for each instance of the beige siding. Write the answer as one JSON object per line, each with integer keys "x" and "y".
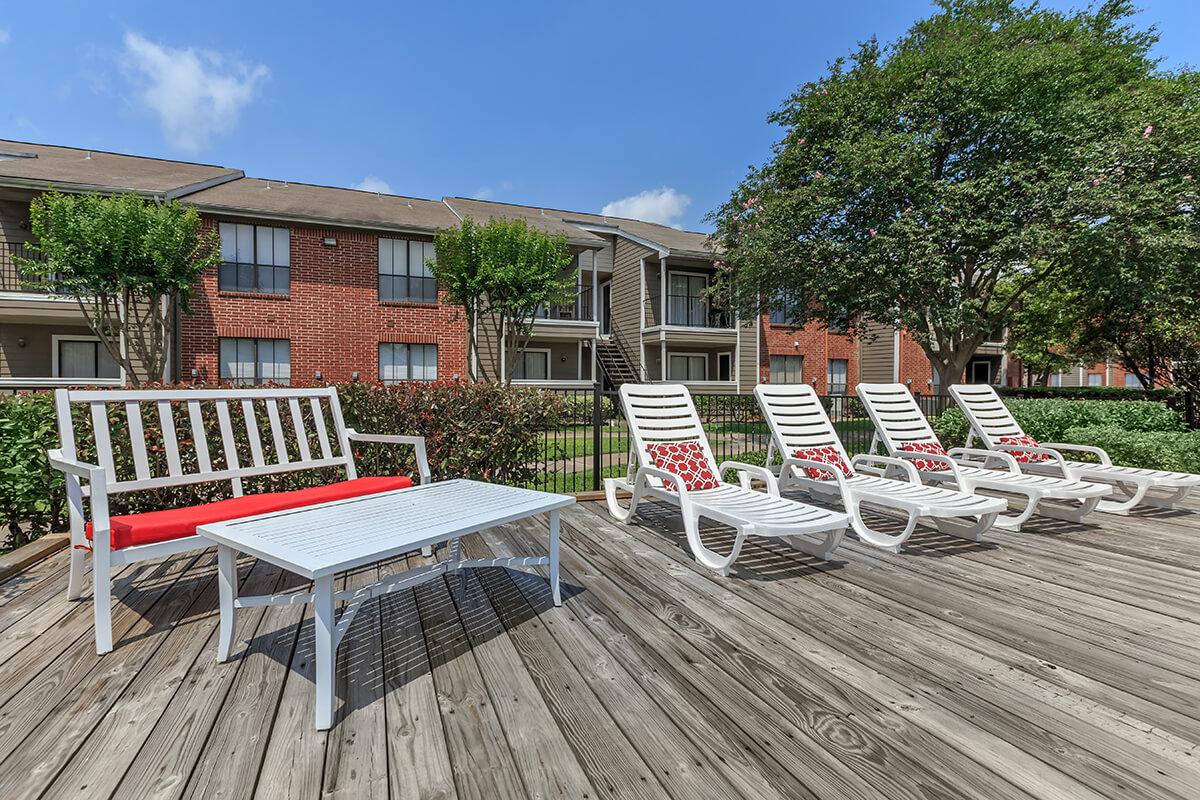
{"x": 877, "y": 355}
{"x": 626, "y": 286}
{"x": 14, "y": 221}
{"x": 748, "y": 355}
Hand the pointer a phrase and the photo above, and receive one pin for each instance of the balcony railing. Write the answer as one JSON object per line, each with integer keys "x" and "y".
{"x": 578, "y": 311}
{"x": 694, "y": 312}
{"x": 12, "y": 279}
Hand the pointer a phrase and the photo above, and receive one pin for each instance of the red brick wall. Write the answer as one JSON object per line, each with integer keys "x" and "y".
{"x": 816, "y": 344}
{"x": 914, "y": 365}
{"x": 333, "y": 315}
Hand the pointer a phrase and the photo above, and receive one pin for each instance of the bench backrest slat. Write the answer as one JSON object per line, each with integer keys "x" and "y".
{"x": 171, "y": 464}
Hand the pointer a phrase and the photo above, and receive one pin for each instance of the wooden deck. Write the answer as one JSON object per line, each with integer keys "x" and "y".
{"x": 1060, "y": 662}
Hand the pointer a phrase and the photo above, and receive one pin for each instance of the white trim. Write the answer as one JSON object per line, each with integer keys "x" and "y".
{"x": 592, "y": 227}
{"x": 643, "y": 372}
{"x": 730, "y": 355}
{"x": 896, "y": 355}
{"x": 55, "y": 338}
{"x": 545, "y": 350}
{"x": 54, "y": 383}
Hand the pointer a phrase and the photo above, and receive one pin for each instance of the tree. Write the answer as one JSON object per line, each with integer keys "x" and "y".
{"x": 932, "y": 183}
{"x": 130, "y": 264}
{"x": 501, "y": 273}
{"x": 1041, "y": 331}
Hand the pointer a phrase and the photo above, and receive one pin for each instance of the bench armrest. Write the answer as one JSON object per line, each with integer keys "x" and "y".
{"x": 80, "y": 469}
{"x": 910, "y": 471}
{"x": 416, "y": 442}
{"x": 746, "y": 470}
{"x": 76, "y": 470}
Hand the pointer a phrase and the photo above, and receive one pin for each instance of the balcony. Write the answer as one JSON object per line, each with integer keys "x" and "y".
{"x": 12, "y": 279}
{"x": 573, "y": 320}
{"x": 691, "y": 319}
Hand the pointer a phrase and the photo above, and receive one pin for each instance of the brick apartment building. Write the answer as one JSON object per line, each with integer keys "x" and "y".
{"x": 327, "y": 284}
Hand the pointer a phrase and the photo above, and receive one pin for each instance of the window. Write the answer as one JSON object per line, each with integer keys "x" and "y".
{"x": 407, "y": 362}
{"x": 787, "y": 369}
{"x": 83, "y": 357}
{"x": 724, "y": 366}
{"x": 839, "y": 321}
{"x": 1056, "y": 379}
{"x": 1095, "y": 379}
{"x": 532, "y": 365}
{"x": 251, "y": 362}
{"x": 685, "y": 300}
{"x": 1131, "y": 381}
{"x": 404, "y": 272}
{"x": 687, "y": 367}
{"x": 781, "y": 312}
{"x": 255, "y": 258}
{"x": 839, "y": 371}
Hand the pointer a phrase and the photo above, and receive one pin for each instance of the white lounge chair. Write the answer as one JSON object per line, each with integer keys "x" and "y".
{"x": 995, "y": 426}
{"x": 670, "y": 461}
{"x": 902, "y": 430}
{"x": 802, "y": 434}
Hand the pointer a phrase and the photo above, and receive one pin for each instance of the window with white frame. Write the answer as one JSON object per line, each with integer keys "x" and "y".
{"x": 532, "y": 365}
{"x": 400, "y": 361}
{"x": 404, "y": 272}
{"x": 252, "y": 362}
{"x": 83, "y": 357}
{"x": 1131, "y": 381}
{"x": 687, "y": 367}
{"x": 787, "y": 369}
{"x": 255, "y": 258}
{"x": 1095, "y": 379}
{"x": 1056, "y": 379}
{"x": 839, "y": 374}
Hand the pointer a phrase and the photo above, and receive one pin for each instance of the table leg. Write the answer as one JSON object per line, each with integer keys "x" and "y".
{"x": 554, "y": 530}
{"x": 227, "y": 583}
{"x": 326, "y": 656}
{"x": 454, "y": 557}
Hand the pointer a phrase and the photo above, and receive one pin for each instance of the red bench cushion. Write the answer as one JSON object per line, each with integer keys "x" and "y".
{"x": 826, "y": 454}
{"x": 927, "y": 464}
{"x": 176, "y": 523}
{"x": 685, "y": 459}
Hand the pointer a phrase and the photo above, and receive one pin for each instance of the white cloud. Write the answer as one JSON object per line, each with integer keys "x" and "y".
{"x": 195, "y": 93}
{"x": 664, "y": 206}
{"x": 488, "y": 192}
{"x": 373, "y": 183}
{"x": 4, "y": 37}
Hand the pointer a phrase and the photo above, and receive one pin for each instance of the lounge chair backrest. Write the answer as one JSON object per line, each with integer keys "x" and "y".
{"x": 661, "y": 413}
{"x": 896, "y": 416}
{"x": 177, "y": 437}
{"x": 796, "y": 418}
{"x": 989, "y": 417}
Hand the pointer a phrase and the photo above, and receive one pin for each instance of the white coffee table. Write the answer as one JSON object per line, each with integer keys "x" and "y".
{"x": 321, "y": 541}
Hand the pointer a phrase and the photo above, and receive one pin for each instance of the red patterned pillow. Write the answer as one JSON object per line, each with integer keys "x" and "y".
{"x": 1025, "y": 456}
{"x": 685, "y": 459}
{"x": 927, "y": 464}
{"x": 826, "y": 455}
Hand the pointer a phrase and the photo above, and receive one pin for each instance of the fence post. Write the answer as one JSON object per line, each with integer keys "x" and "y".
{"x": 597, "y": 419}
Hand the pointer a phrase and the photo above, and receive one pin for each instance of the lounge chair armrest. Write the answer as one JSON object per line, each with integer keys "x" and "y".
{"x": 1054, "y": 447}
{"x": 663, "y": 475}
{"x": 803, "y": 463}
{"x": 1044, "y": 450}
{"x": 747, "y": 470}
{"x": 416, "y": 442}
{"x": 987, "y": 455}
{"x": 912, "y": 455}
{"x": 906, "y": 467}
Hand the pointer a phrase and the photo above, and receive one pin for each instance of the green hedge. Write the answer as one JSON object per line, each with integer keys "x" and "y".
{"x": 483, "y": 431}
{"x": 1088, "y": 393}
{"x": 1049, "y": 420}
{"x": 1168, "y": 450}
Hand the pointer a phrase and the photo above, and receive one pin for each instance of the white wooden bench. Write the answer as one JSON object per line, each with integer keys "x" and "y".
{"x": 305, "y": 431}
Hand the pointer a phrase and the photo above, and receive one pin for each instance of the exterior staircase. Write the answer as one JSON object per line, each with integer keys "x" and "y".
{"x": 615, "y": 362}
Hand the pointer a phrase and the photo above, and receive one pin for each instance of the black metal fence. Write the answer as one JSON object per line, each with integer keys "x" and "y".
{"x": 593, "y": 442}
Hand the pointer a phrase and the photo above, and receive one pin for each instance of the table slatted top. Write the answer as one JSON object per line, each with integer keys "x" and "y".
{"x": 331, "y": 537}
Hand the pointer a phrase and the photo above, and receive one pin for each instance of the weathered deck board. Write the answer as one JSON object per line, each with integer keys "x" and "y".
{"x": 1057, "y": 662}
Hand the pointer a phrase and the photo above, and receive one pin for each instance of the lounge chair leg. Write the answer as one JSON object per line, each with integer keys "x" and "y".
{"x": 884, "y": 541}
{"x": 75, "y": 577}
{"x": 622, "y": 515}
{"x": 822, "y": 549}
{"x": 1168, "y": 501}
{"x": 972, "y": 532}
{"x": 704, "y": 556}
{"x": 1070, "y": 513}
{"x": 1013, "y": 522}
{"x": 102, "y": 600}
{"x": 1124, "y": 506}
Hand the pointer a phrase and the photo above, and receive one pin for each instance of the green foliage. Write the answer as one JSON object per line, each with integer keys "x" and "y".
{"x": 130, "y": 263}
{"x": 1165, "y": 395}
{"x": 1167, "y": 450}
{"x": 577, "y": 408}
{"x": 31, "y": 494}
{"x": 931, "y": 182}
{"x": 483, "y": 431}
{"x": 1049, "y": 420}
{"x": 501, "y": 273}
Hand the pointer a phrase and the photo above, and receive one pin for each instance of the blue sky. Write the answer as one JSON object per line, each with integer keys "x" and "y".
{"x": 653, "y": 109}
